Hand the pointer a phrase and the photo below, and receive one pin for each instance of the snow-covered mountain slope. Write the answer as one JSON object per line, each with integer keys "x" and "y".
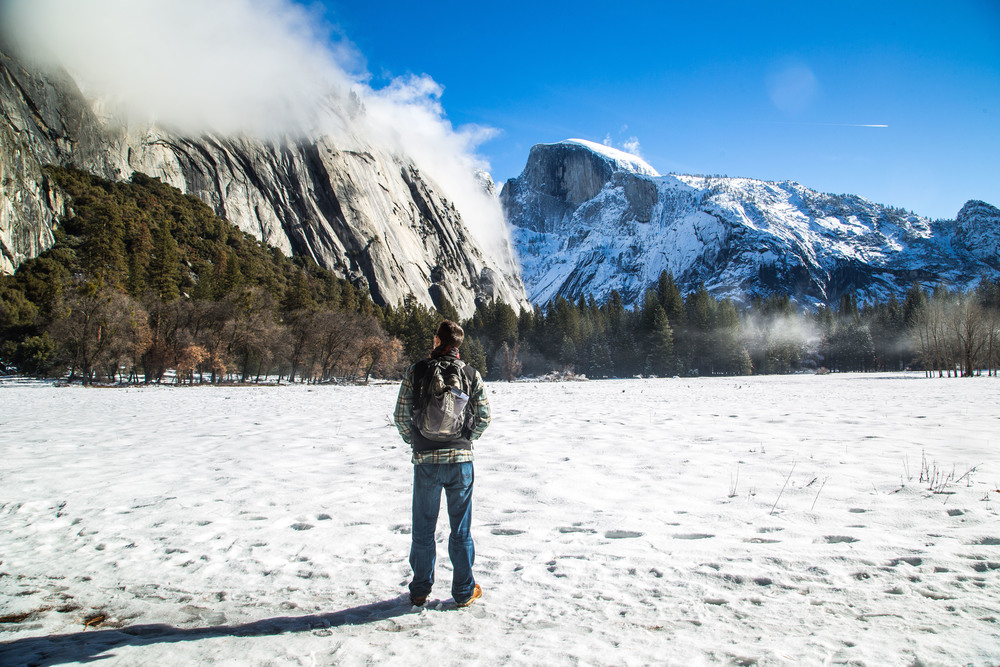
{"x": 587, "y": 222}
{"x": 363, "y": 210}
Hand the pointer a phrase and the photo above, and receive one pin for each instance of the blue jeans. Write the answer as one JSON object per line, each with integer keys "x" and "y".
{"x": 456, "y": 479}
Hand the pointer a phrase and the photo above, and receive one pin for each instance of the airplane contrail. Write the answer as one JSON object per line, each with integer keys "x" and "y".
{"x": 840, "y": 124}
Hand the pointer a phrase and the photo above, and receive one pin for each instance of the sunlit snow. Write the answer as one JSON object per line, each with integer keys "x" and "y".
{"x": 622, "y": 160}
{"x": 840, "y": 519}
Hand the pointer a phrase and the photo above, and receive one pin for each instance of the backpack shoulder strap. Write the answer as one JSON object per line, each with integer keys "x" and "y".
{"x": 421, "y": 379}
{"x": 470, "y": 374}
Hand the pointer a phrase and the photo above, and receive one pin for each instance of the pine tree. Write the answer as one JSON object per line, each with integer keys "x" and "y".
{"x": 699, "y": 309}
{"x": 567, "y": 354}
{"x": 914, "y": 304}
{"x": 104, "y": 248}
{"x": 474, "y": 355}
{"x": 670, "y": 297}
{"x": 164, "y": 268}
{"x": 298, "y": 296}
{"x": 660, "y": 341}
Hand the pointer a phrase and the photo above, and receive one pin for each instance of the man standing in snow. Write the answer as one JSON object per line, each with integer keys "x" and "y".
{"x": 441, "y": 409}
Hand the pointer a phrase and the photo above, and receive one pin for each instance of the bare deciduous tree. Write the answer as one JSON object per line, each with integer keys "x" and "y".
{"x": 100, "y": 329}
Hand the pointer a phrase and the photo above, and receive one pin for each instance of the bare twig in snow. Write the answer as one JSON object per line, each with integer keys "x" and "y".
{"x": 817, "y": 493}
{"x": 782, "y": 489}
{"x": 968, "y": 473}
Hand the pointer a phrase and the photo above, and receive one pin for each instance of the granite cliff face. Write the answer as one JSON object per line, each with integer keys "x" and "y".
{"x": 358, "y": 209}
{"x": 559, "y": 178}
{"x": 977, "y": 228}
{"x": 588, "y": 220}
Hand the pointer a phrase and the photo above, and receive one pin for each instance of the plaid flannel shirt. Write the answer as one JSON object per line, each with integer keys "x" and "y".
{"x": 404, "y": 414}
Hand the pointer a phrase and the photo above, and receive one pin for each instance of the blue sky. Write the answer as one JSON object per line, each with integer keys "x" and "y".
{"x": 770, "y": 90}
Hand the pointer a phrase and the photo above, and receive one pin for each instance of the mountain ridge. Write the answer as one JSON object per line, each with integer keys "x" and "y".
{"x": 741, "y": 237}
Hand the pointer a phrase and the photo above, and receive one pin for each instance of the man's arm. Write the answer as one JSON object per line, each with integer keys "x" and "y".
{"x": 403, "y": 416}
{"x": 480, "y": 408}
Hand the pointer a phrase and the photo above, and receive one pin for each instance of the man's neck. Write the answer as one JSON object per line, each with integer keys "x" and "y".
{"x": 443, "y": 351}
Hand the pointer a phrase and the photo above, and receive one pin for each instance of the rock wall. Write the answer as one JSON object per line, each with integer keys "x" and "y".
{"x": 355, "y": 208}
{"x": 978, "y": 229}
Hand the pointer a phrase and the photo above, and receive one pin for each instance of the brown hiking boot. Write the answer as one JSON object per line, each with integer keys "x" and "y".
{"x": 476, "y": 594}
{"x": 417, "y": 600}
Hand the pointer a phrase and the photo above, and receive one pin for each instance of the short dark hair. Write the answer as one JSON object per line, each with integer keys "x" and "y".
{"x": 450, "y": 334}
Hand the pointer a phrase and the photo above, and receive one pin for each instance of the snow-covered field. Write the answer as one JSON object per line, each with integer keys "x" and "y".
{"x": 745, "y": 521}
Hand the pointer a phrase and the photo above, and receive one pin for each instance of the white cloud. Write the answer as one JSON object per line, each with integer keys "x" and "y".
{"x": 407, "y": 116}
{"x": 253, "y": 66}
{"x": 631, "y": 146}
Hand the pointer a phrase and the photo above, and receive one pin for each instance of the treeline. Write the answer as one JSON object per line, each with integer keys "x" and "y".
{"x": 143, "y": 280}
{"x": 145, "y": 283}
{"x": 941, "y": 331}
{"x": 958, "y": 333}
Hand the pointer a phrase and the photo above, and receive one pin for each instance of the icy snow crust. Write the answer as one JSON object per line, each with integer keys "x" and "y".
{"x": 764, "y": 520}
{"x": 742, "y": 237}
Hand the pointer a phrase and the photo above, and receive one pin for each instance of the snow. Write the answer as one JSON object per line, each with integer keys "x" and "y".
{"x": 622, "y": 160}
{"x": 710, "y": 229}
{"x": 762, "y": 520}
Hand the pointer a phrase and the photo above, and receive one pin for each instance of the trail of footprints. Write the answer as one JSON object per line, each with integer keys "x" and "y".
{"x": 935, "y": 582}
{"x": 912, "y": 573}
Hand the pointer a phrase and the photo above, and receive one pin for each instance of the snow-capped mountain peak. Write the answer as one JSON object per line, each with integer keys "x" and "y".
{"x": 586, "y": 222}
{"x": 622, "y": 160}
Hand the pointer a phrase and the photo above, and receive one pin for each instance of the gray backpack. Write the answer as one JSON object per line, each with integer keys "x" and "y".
{"x": 440, "y": 413}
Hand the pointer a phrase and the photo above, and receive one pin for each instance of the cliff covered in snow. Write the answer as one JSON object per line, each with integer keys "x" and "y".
{"x": 586, "y": 221}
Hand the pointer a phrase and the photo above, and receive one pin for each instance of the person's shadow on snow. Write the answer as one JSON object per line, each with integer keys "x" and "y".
{"x": 89, "y": 645}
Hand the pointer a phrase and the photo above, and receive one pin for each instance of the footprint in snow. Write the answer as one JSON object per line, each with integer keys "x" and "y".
{"x": 910, "y": 560}
{"x": 622, "y": 534}
{"x": 207, "y": 615}
{"x": 986, "y": 567}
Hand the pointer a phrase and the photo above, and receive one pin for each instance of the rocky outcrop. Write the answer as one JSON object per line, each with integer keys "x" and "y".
{"x": 978, "y": 230}
{"x": 363, "y": 211}
{"x": 33, "y": 116}
{"x": 586, "y": 221}
{"x": 558, "y": 178}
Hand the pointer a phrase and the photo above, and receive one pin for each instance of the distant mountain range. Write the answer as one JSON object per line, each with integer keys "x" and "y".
{"x": 588, "y": 219}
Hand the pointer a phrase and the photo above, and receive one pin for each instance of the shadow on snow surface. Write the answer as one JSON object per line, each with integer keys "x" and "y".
{"x": 88, "y": 645}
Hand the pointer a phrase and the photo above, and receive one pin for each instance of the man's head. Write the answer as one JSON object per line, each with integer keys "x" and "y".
{"x": 449, "y": 334}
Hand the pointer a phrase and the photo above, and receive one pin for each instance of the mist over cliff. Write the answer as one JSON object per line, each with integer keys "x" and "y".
{"x": 245, "y": 104}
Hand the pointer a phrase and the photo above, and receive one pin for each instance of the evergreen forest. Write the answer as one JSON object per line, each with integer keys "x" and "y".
{"x": 145, "y": 284}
